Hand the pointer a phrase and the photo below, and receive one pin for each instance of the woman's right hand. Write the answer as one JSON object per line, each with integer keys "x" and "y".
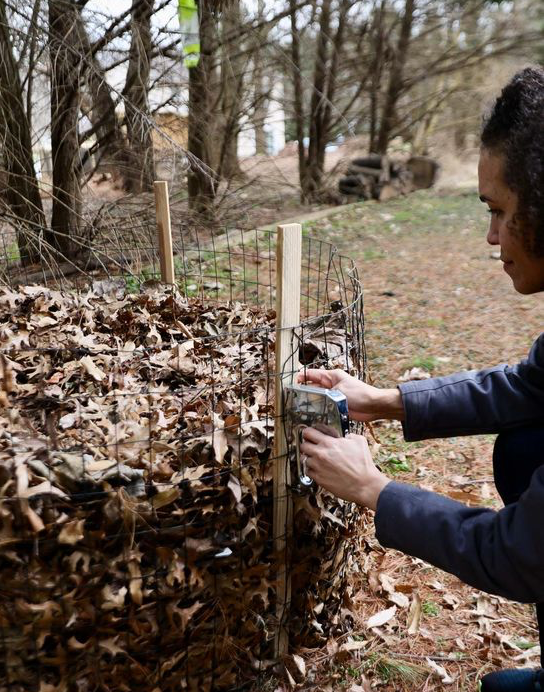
{"x": 365, "y": 402}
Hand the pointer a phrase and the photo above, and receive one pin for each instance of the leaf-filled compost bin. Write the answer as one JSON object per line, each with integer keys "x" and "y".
{"x": 136, "y": 542}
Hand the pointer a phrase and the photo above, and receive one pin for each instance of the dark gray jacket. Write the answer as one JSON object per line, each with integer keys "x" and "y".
{"x": 499, "y": 552}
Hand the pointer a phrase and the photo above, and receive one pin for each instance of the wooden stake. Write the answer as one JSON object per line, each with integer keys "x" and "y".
{"x": 164, "y": 229}
{"x": 288, "y": 272}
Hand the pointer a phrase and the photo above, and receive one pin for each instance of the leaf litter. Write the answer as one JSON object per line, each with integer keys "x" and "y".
{"x": 136, "y": 496}
{"x": 429, "y": 324}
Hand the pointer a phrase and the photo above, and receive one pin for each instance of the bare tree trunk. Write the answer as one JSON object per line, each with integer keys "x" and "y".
{"x": 330, "y": 94}
{"x": 471, "y": 76}
{"x": 232, "y": 78}
{"x": 137, "y": 113}
{"x": 376, "y": 71}
{"x": 323, "y": 95}
{"x": 200, "y": 179}
{"x": 65, "y": 78}
{"x": 22, "y": 191}
{"x": 31, "y": 41}
{"x": 260, "y": 95}
{"x": 112, "y": 145}
{"x": 298, "y": 97}
{"x": 317, "y": 104}
{"x": 395, "y": 78}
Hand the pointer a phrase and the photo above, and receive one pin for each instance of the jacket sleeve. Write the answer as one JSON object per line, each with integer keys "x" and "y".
{"x": 498, "y": 552}
{"x": 475, "y": 402}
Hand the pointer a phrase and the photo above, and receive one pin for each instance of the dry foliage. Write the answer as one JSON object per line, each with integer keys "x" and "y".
{"x": 136, "y": 495}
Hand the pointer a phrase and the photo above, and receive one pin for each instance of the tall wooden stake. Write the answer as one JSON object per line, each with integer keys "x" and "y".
{"x": 164, "y": 229}
{"x": 288, "y": 271}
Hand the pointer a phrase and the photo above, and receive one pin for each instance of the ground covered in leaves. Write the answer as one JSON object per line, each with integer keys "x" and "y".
{"x": 136, "y": 549}
{"x": 437, "y": 301}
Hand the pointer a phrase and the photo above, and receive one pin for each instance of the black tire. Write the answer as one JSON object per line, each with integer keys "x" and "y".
{"x": 370, "y": 161}
{"x": 351, "y": 180}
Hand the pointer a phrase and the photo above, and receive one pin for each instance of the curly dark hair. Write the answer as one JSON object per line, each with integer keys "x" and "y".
{"x": 515, "y": 129}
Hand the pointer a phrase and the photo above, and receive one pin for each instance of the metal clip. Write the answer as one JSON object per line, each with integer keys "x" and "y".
{"x": 323, "y": 409}
{"x": 303, "y": 477}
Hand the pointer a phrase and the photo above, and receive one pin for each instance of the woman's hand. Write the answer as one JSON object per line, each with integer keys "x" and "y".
{"x": 365, "y": 402}
{"x": 343, "y": 466}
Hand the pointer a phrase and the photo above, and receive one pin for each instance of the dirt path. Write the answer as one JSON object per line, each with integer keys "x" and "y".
{"x": 435, "y": 300}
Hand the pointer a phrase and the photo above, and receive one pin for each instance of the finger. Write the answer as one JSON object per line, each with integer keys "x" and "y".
{"x": 355, "y": 436}
{"x": 312, "y": 469}
{"x": 315, "y": 436}
{"x": 308, "y": 448}
{"x": 314, "y": 376}
{"x": 302, "y": 377}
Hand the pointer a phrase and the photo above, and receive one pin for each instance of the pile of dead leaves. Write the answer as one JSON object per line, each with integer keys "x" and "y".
{"x": 136, "y": 495}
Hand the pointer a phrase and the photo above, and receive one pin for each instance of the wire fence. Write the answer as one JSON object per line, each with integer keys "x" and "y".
{"x": 136, "y": 463}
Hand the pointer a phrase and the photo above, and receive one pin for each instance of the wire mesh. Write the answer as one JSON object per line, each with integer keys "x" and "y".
{"x": 136, "y": 500}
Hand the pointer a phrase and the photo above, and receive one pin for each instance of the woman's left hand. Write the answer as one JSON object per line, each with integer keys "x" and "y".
{"x": 343, "y": 466}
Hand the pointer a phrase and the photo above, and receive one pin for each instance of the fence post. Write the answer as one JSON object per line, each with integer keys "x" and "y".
{"x": 164, "y": 229}
{"x": 288, "y": 272}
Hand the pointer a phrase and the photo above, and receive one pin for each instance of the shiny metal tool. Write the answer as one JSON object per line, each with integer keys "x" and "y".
{"x": 307, "y": 406}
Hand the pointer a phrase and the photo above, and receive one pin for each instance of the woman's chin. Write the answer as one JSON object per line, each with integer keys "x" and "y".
{"x": 525, "y": 288}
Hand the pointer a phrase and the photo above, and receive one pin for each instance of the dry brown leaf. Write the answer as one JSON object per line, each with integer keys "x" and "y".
{"x": 295, "y": 667}
{"x": 165, "y": 497}
{"x": 364, "y": 687}
{"x": 170, "y": 466}
{"x": 235, "y": 488}
{"x": 136, "y": 582}
{"x": 414, "y": 615}
{"x": 353, "y": 646}
{"x": 72, "y": 532}
{"x": 381, "y": 618}
{"x": 399, "y": 599}
{"x": 44, "y": 488}
{"x": 34, "y": 519}
{"x": 92, "y": 369}
{"x": 111, "y": 646}
{"x": 440, "y": 671}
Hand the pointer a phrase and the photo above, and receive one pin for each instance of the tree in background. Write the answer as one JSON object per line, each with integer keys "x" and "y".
{"x": 21, "y": 190}
{"x": 231, "y": 90}
{"x": 440, "y": 51}
{"x": 259, "y": 78}
{"x": 329, "y": 54}
{"x": 396, "y": 73}
{"x": 111, "y": 148}
{"x": 136, "y": 98}
{"x": 387, "y": 70}
{"x": 77, "y": 87}
{"x": 381, "y": 70}
{"x": 201, "y": 184}
{"x": 65, "y": 75}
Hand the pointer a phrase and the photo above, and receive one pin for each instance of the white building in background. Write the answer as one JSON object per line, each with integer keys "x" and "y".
{"x": 167, "y": 99}
{"x": 41, "y": 119}
{"x": 274, "y": 127}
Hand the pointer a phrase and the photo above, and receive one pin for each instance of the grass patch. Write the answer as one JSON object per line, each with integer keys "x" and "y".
{"x": 430, "y": 608}
{"x": 12, "y": 252}
{"x": 395, "y": 464}
{"x": 524, "y": 644}
{"x": 422, "y": 212}
{"x": 391, "y": 670}
{"x": 427, "y": 363}
{"x": 373, "y": 254}
{"x": 133, "y": 282}
{"x": 435, "y": 322}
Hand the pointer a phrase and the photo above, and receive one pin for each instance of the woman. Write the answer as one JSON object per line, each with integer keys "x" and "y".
{"x": 498, "y": 552}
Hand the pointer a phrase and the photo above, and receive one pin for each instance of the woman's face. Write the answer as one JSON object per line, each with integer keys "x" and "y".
{"x": 525, "y": 270}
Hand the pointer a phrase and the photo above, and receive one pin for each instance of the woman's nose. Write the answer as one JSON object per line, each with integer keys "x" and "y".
{"x": 493, "y": 233}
